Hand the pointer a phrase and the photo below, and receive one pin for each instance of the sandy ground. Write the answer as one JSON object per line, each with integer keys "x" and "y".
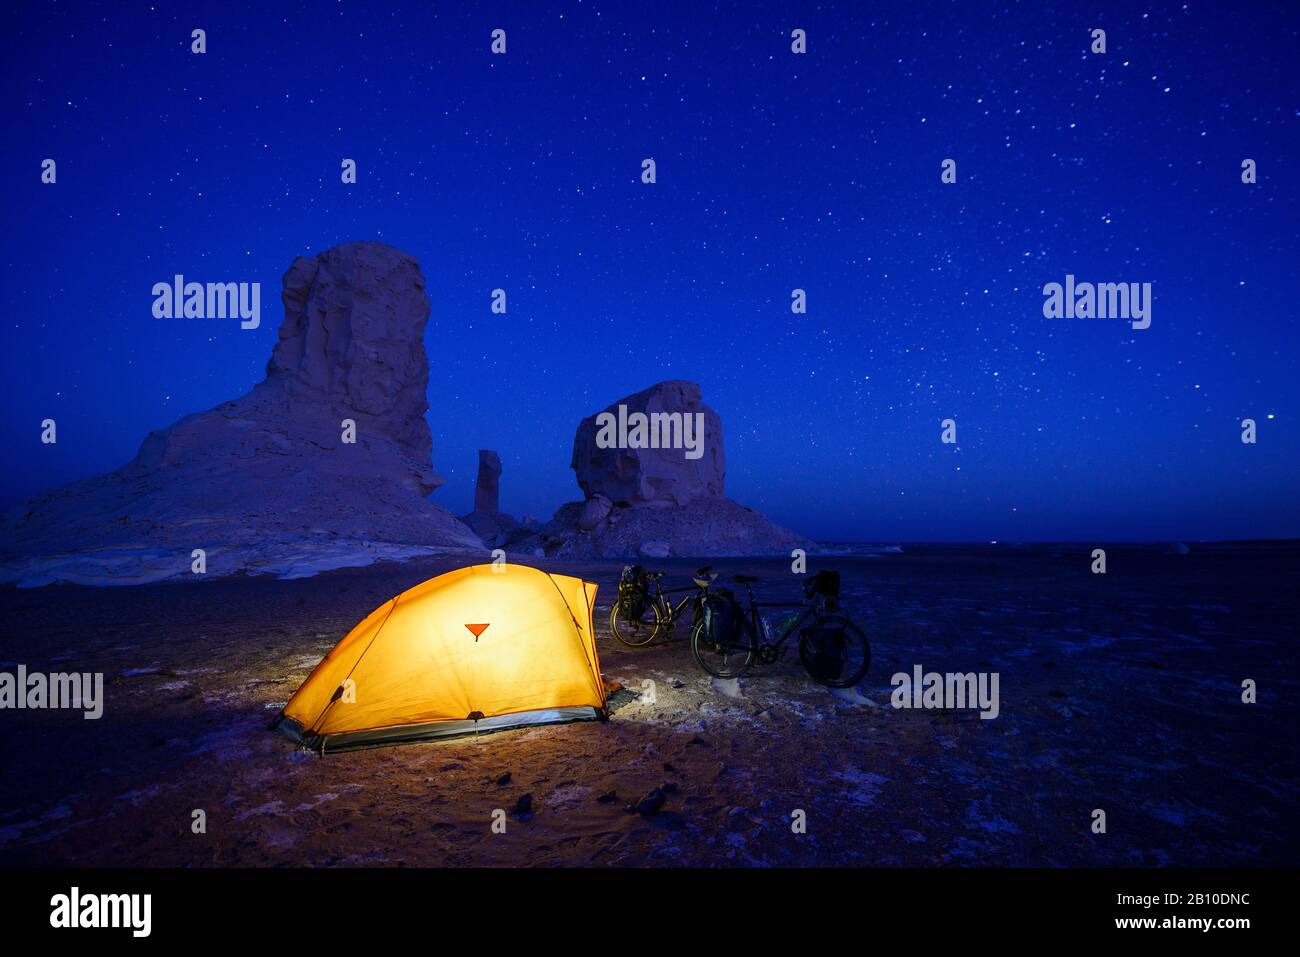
{"x": 1120, "y": 692}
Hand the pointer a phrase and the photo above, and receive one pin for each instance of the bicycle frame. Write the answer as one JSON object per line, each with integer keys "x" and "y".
{"x": 675, "y": 612}
{"x": 818, "y": 654}
{"x": 667, "y": 614}
{"x": 755, "y": 623}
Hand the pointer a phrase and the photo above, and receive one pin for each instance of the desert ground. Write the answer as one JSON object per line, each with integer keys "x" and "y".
{"x": 1119, "y": 692}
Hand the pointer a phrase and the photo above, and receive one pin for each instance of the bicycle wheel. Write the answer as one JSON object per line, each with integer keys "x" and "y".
{"x": 835, "y": 663}
{"x": 725, "y": 659}
{"x": 636, "y": 632}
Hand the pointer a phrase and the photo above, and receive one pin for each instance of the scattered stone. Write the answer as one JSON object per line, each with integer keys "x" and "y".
{"x": 649, "y": 805}
{"x": 594, "y": 511}
{"x": 523, "y": 807}
{"x": 852, "y": 696}
{"x": 503, "y": 780}
{"x": 727, "y": 687}
{"x": 609, "y": 797}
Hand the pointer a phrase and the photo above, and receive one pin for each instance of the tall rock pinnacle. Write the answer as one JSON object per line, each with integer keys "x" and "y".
{"x": 324, "y": 463}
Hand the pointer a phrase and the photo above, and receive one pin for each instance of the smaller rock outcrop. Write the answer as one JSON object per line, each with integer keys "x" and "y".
{"x": 487, "y": 489}
{"x": 488, "y": 522}
{"x": 653, "y": 470}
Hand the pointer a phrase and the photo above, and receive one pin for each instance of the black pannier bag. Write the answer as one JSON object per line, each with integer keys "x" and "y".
{"x": 824, "y": 652}
{"x": 721, "y": 620}
{"x": 633, "y": 591}
{"x": 826, "y": 585}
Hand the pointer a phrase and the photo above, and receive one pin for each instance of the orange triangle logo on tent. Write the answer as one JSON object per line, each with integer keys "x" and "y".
{"x": 477, "y": 630}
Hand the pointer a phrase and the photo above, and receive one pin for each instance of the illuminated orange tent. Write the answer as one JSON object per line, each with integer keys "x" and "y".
{"x": 478, "y": 649}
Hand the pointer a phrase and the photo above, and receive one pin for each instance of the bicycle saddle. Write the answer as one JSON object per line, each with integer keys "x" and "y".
{"x": 704, "y": 577}
{"x": 745, "y": 579}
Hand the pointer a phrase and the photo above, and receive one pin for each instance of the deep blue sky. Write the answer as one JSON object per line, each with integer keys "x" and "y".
{"x": 775, "y": 171}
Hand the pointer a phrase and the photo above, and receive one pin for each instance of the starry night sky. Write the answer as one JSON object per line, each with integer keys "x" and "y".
{"x": 775, "y": 171}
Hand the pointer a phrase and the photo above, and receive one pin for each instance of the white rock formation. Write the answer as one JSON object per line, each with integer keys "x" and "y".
{"x": 657, "y": 502}
{"x": 266, "y": 483}
{"x": 635, "y": 476}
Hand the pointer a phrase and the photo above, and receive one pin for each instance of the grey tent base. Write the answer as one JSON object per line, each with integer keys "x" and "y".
{"x": 377, "y": 737}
